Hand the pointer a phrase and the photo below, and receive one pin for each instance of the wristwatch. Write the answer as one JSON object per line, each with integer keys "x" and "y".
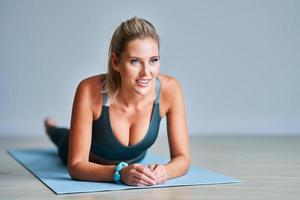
{"x": 117, "y": 176}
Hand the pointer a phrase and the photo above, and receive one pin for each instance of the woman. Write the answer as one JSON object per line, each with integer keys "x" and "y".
{"x": 116, "y": 116}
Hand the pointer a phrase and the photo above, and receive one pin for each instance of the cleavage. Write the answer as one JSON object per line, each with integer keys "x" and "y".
{"x": 130, "y": 128}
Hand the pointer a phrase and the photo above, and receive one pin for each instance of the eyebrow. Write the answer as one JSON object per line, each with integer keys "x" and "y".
{"x": 142, "y": 58}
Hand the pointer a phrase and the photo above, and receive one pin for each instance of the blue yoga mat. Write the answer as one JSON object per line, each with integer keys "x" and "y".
{"x": 47, "y": 167}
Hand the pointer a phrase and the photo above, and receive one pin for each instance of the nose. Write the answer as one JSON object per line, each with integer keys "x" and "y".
{"x": 145, "y": 69}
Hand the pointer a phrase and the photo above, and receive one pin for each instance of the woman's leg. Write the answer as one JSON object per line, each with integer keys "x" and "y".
{"x": 60, "y": 137}
{"x": 56, "y": 134}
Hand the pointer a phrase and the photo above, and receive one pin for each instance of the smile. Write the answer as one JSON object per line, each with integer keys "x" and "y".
{"x": 143, "y": 82}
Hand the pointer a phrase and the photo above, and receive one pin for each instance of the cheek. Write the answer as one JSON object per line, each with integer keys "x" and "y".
{"x": 129, "y": 71}
{"x": 156, "y": 70}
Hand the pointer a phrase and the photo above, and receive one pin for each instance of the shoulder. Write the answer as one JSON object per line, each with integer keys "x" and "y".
{"x": 89, "y": 92}
{"x": 169, "y": 85}
{"x": 91, "y": 83}
{"x": 91, "y": 86}
{"x": 170, "y": 92}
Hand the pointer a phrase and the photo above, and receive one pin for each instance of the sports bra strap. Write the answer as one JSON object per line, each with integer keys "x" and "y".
{"x": 105, "y": 99}
{"x": 157, "y": 91}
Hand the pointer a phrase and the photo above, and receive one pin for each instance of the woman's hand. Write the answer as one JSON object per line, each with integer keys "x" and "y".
{"x": 160, "y": 172}
{"x": 137, "y": 175}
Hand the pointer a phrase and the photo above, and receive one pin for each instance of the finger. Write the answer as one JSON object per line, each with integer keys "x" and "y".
{"x": 144, "y": 178}
{"x": 152, "y": 166}
{"x": 157, "y": 171}
{"x": 140, "y": 182}
{"x": 137, "y": 184}
{"x": 161, "y": 181}
{"x": 159, "y": 177}
{"x": 160, "y": 172}
{"x": 162, "y": 178}
{"x": 147, "y": 172}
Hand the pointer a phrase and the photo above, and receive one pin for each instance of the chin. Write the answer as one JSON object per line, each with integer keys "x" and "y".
{"x": 143, "y": 91}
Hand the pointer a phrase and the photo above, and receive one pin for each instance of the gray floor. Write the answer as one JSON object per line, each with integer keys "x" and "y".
{"x": 269, "y": 167}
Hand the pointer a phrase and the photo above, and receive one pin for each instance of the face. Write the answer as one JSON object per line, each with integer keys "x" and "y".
{"x": 139, "y": 65}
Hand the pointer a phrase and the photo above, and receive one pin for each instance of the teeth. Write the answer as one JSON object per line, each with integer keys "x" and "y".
{"x": 143, "y": 81}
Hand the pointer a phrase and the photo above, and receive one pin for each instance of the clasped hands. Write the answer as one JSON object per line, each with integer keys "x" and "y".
{"x": 144, "y": 175}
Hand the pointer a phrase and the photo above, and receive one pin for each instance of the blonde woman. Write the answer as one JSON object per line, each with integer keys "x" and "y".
{"x": 116, "y": 116}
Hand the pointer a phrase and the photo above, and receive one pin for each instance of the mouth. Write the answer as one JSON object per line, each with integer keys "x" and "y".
{"x": 143, "y": 82}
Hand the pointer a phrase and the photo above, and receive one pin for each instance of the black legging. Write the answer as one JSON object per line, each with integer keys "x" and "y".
{"x": 60, "y": 137}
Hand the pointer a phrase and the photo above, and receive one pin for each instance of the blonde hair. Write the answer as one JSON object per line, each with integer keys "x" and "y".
{"x": 134, "y": 28}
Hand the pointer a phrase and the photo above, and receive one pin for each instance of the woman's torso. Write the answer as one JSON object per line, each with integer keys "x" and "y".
{"x": 129, "y": 127}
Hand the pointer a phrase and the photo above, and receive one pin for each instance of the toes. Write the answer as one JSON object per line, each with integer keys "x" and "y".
{"x": 49, "y": 122}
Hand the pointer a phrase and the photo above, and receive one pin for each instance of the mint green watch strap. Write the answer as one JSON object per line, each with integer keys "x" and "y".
{"x": 117, "y": 176}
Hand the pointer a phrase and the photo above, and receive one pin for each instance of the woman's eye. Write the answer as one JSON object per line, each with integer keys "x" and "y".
{"x": 154, "y": 60}
{"x": 134, "y": 62}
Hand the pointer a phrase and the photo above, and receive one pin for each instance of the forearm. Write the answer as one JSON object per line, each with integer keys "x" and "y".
{"x": 92, "y": 172}
{"x": 178, "y": 166}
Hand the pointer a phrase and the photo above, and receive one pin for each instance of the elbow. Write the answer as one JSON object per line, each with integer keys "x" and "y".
{"x": 187, "y": 164}
{"x": 73, "y": 172}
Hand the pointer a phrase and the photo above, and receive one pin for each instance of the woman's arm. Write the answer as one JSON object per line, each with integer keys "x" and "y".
{"x": 80, "y": 139}
{"x": 177, "y": 132}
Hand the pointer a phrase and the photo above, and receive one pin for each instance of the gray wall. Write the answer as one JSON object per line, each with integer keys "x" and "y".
{"x": 237, "y": 61}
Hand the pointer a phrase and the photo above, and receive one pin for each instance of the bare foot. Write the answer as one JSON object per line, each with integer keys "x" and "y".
{"x": 48, "y": 123}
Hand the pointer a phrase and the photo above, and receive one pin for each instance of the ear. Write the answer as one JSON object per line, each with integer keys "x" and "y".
{"x": 115, "y": 61}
